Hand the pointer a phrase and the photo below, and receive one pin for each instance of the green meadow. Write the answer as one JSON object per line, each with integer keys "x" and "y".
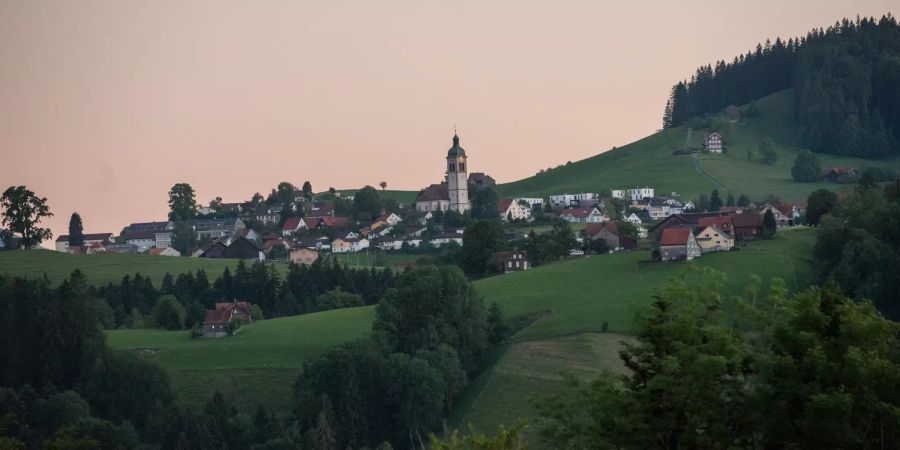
{"x": 104, "y": 268}
{"x": 577, "y": 297}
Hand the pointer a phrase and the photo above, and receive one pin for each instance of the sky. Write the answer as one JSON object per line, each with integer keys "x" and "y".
{"x": 105, "y": 104}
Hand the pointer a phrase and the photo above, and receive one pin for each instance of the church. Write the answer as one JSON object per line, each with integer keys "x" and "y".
{"x": 453, "y": 193}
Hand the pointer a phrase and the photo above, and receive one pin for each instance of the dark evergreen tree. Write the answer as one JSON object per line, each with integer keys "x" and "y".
{"x": 76, "y": 231}
{"x": 769, "y": 225}
{"x": 715, "y": 202}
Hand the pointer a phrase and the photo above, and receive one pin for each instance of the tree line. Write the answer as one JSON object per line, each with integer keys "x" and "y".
{"x": 181, "y": 301}
{"x": 812, "y": 370}
{"x": 844, "y": 80}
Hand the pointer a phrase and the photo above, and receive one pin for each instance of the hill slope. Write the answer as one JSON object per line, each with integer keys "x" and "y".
{"x": 650, "y": 162}
{"x": 260, "y": 364}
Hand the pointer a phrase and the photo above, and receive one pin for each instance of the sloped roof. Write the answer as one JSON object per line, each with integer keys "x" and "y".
{"x": 503, "y": 204}
{"x": 593, "y": 228}
{"x": 746, "y": 220}
{"x": 291, "y": 224}
{"x": 720, "y": 222}
{"x": 435, "y": 192}
{"x": 577, "y": 212}
{"x": 675, "y": 236}
{"x": 87, "y": 237}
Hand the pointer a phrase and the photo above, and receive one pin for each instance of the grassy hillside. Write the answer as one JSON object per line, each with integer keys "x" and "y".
{"x": 649, "y": 161}
{"x": 260, "y": 364}
{"x": 102, "y": 269}
{"x": 581, "y": 295}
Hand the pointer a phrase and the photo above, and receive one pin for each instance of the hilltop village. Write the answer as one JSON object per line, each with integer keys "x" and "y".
{"x": 297, "y": 225}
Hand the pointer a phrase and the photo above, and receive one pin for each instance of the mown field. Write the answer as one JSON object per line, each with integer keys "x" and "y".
{"x": 102, "y": 269}
{"x": 260, "y": 364}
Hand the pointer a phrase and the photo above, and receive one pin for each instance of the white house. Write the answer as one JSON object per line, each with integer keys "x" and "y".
{"x": 533, "y": 201}
{"x": 391, "y": 219}
{"x": 509, "y": 208}
{"x": 662, "y": 207}
{"x": 641, "y": 193}
{"x": 714, "y": 142}
{"x": 347, "y": 245}
{"x": 569, "y": 199}
{"x": 618, "y": 193}
{"x": 582, "y": 215}
{"x": 446, "y": 238}
{"x": 633, "y": 218}
{"x": 62, "y": 242}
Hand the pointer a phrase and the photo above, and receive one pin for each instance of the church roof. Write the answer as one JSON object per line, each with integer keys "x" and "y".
{"x": 435, "y": 192}
{"x": 456, "y": 150}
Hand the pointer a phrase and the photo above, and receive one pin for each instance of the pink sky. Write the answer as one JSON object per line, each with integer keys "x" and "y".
{"x": 104, "y": 105}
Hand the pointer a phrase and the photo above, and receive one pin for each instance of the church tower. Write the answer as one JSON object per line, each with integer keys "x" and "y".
{"x": 457, "y": 177}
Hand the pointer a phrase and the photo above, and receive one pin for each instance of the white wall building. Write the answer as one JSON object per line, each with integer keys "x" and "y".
{"x": 457, "y": 177}
{"x": 641, "y": 193}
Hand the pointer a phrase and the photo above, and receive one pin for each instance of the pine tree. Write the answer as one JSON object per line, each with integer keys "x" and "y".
{"x": 769, "y": 225}
{"x": 730, "y": 200}
{"x": 715, "y": 202}
{"x": 76, "y": 231}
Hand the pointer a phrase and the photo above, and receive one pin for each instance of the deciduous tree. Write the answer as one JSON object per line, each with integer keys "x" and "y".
{"x": 22, "y": 213}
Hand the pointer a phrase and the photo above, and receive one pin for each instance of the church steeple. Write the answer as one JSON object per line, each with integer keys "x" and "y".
{"x": 455, "y": 139}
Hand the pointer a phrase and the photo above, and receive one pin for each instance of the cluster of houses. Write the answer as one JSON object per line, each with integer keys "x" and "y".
{"x": 690, "y": 235}
{"x": 679, "y": 233}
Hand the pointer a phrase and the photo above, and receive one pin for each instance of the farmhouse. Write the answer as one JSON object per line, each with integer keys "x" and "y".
{"x": 711, "y": 239}
{"x": 714, "y": 142}
{"x": 216, "y": 320}
{"x": 514, "y": 261}
{"x": 62, "y": 242}
{"x": 677, "y": 244}
{"x": 747, "y": 226}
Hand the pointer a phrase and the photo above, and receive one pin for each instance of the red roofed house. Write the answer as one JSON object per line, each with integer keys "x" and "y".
{"x": 721, "y": 222}
{"x": 678, "y": 244}
{"x": 581, "y": 215}
{"x": 510, "y": 209}
{"x": 62, "y": 242}
{"x": 294, "y": 225}
{"x": 214, "y": 325}
{"x": 747, "y": 226}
